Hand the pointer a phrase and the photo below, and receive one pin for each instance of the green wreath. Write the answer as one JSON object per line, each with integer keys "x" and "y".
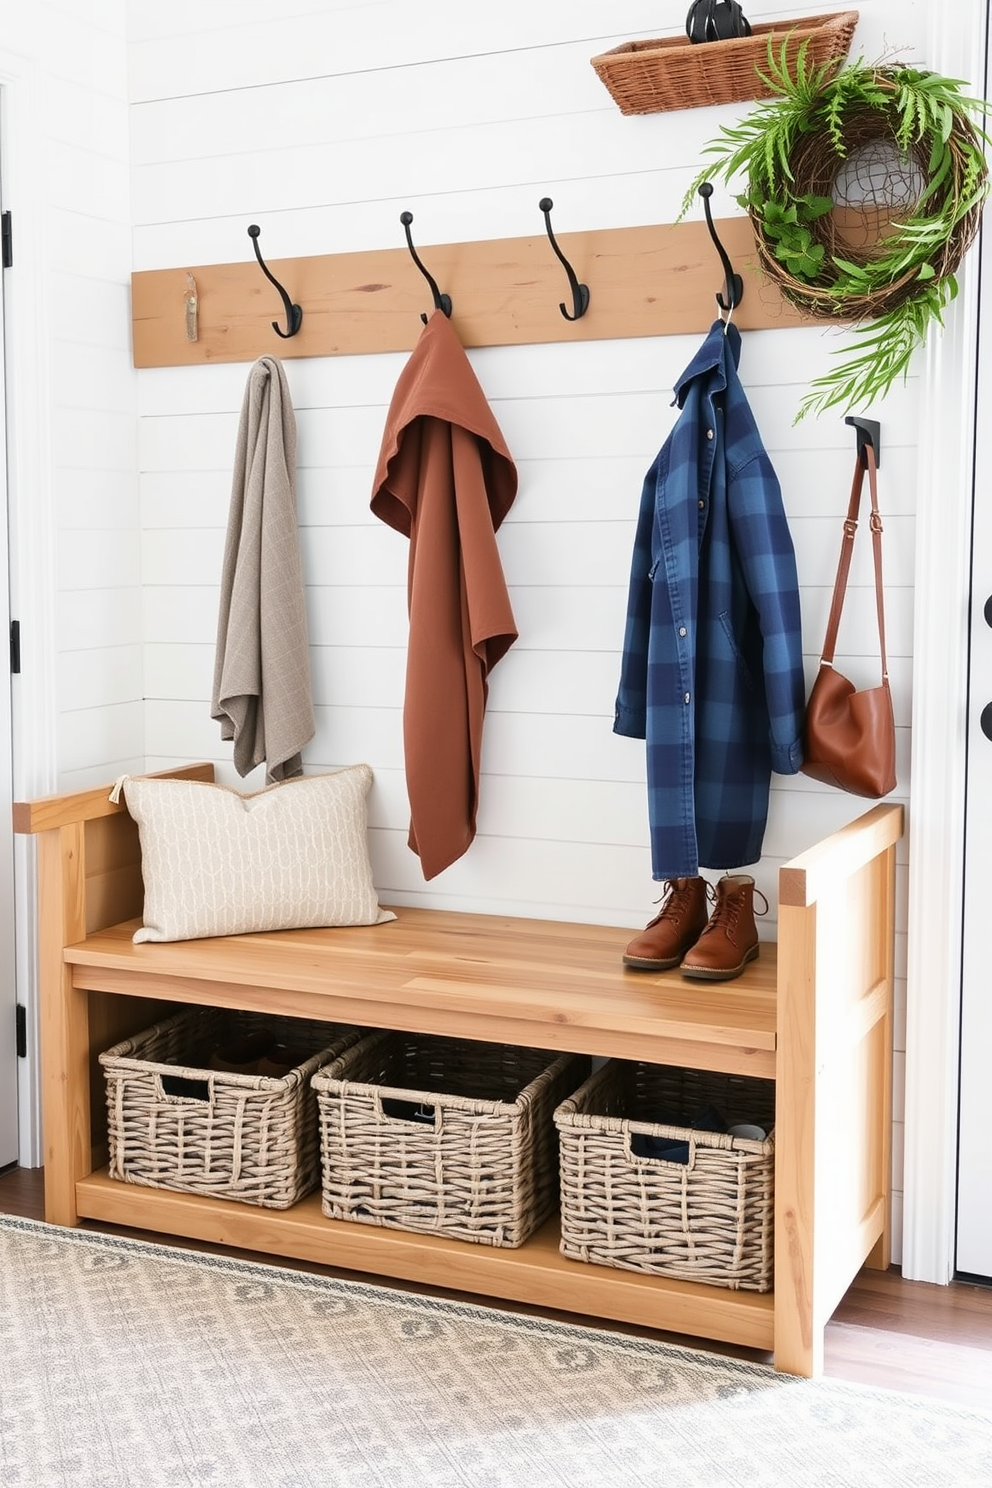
{"x": 889, "y": 154}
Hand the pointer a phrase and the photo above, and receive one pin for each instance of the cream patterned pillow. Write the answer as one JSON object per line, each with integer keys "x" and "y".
{"x": 216, "y": 862}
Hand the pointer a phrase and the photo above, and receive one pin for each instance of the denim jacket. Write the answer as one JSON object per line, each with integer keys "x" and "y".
{"x": 712, "y": 675}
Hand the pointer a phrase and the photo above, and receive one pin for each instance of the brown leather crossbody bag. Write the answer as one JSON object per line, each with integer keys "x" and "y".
{"x": 850, "y": 738}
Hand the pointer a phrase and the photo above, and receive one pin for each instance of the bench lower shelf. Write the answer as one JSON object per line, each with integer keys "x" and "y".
{"x": 536, "y": 1274}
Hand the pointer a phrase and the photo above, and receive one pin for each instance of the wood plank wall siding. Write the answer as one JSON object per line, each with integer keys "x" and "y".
{"x": 322, "y": 125}
{"x": 643, "y": 281}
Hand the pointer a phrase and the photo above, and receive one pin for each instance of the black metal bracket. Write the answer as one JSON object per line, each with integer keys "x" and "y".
{"x": 294, "y": 315}
{"x": 733, "y": 284}
{"x": 580, "y": 292}
{"x": 868, "y": 432}
{"x": 442, "y": 302}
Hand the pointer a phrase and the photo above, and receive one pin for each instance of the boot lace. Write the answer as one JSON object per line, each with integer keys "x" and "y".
{"x": 675, "y": 897}
{"x": 728, "y": 911}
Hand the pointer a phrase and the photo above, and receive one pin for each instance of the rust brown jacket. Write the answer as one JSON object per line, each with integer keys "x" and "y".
{"x": 445, "y": 479}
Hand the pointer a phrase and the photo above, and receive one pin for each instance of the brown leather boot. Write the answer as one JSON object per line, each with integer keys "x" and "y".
{"x": 664, "y": 942}
{"x": 730, "y": 940}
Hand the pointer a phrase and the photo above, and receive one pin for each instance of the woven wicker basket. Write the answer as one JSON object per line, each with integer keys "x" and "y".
{"x": 651, "y": 77}
{"x": 443, "y": 1135}
{"x": 708, "y": 1219}
{"x": 173, "y": 1122}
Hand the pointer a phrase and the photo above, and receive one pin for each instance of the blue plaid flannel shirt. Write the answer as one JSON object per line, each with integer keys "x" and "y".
{"x": 712, "y": 674}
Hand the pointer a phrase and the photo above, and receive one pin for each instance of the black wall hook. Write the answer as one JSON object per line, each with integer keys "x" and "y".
{"x": 442, "y": 302}
{"x": 733, "y": 284}
{"x": 580, "y": 292}
{"x": 869, "y": 431}
{"x": 294, "y": 315}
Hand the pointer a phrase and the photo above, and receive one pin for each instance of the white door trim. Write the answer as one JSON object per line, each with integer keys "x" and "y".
{"x": 973, "y": 1210}
{"x": 940, "y": 690}
{"x": 32, "y": 528}
{"x": 9, "y": 1115}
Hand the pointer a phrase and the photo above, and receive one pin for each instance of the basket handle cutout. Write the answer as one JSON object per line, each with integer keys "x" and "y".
{"x": 183, "y": 1088}
{"x": 642, "y": 1149}
{"x": 402, "y": 1110}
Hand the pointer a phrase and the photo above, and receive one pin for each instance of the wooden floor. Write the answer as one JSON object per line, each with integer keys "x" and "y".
{"x": 896, "y": 1334}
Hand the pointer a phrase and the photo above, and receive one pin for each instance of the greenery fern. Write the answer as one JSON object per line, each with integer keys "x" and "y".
{"x": 898, "y": 289}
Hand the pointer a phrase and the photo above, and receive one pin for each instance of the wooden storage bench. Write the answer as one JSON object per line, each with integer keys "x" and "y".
{"x": 814, "y": 1013}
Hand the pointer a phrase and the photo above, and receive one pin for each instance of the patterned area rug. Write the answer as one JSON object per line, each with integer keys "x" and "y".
{"x": 130, "y": 1365}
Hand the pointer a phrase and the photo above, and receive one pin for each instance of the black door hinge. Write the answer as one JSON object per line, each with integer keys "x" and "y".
{"x": 6, "y": 239}
{"x": 22, "y": 1031}
{"x": 15, "y": 646}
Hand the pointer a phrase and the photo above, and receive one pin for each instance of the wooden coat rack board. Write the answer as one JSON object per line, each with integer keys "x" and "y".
{"x": 643, "y": 281}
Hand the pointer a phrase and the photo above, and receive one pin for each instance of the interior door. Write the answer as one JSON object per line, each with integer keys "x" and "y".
{"x": 974, "y": 1207}
{"x": 8, "y": 991}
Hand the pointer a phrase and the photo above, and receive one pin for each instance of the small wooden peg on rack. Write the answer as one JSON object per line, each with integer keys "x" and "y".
{"x": 192, "y": 303}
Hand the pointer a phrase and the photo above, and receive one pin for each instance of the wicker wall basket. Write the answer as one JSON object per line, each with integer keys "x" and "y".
{"x": 175, "y": 1122}
{"x": 652, "y": 77}
{"x": 442, "y": 1135}
{"x": 708, "y": 1219}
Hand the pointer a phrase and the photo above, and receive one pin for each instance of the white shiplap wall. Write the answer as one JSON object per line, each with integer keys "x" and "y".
{"x": 322, "y": 125}
{"x": 71, "y": 386}
{"x": 77, "y": 707}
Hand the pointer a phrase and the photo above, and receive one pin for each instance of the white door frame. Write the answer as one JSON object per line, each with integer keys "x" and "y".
{"x": 31, "y": 526}
{"x": 940, "y": 690}
{"x": 9, "y": 1116}
{"x": 973, "y": 1229}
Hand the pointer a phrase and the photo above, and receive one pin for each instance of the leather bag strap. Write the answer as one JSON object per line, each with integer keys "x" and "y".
{"x": 844, "y": 564}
